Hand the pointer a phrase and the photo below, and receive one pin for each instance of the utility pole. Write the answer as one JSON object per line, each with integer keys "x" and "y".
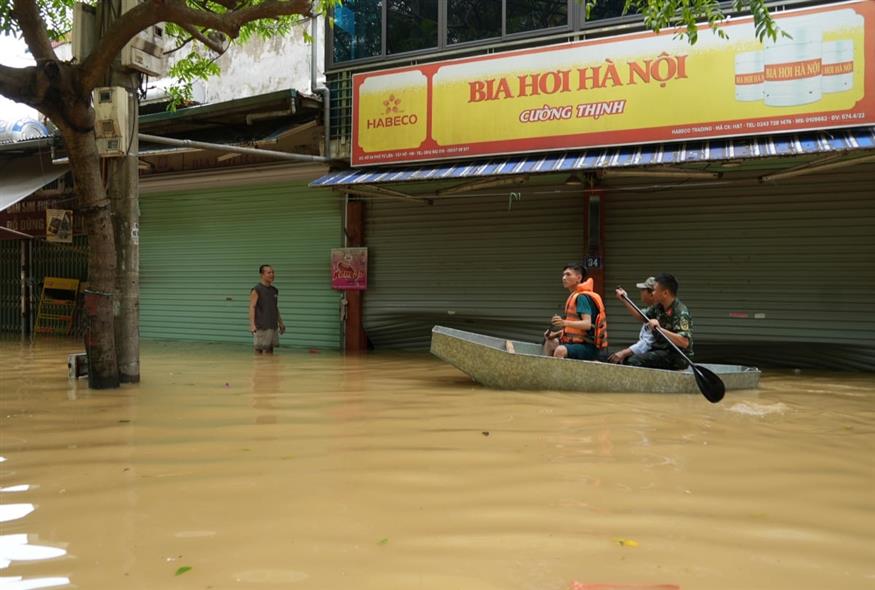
{"x": 124, "y": 195}
{"x": 123, "y": 191}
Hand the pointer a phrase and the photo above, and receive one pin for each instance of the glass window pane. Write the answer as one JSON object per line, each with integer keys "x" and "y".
{"x": 609, "y": 9}
{"x": 472, "y": 20}
{"x": 358, "y": 29}
{"x": 531, "y": 15}
{"x": 412, "y": 25}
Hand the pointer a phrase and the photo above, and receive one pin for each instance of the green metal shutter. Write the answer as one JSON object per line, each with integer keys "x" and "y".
{"x": 57, "y": 259}
{"x": 48, "y": 259}
{"x": 199, "y": 256}
{"x": 487, "y": 264}
{"x": 774, "y": 274}
{"x": 10, "y": 286}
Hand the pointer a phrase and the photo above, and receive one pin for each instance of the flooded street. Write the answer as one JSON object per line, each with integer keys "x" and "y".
{"x": 315, "y": 471}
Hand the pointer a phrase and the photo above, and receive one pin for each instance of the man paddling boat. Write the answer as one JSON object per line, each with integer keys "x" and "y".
{"x": 673, "y": 317}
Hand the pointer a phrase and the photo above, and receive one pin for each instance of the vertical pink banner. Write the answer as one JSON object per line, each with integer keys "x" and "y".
{"x": 349, "y": 269}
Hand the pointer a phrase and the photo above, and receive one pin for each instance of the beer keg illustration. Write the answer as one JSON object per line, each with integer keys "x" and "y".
{"x": 792, "y": 68}
{"x": 838, "y": 66}
{"x": 749, "y": 76}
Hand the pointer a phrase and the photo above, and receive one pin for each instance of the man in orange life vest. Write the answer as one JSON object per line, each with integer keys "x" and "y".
{"x": 583, "y": 333}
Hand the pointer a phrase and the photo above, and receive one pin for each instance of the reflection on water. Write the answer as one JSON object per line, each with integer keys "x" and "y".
{"x": 315, "y": 471}
{"x": 18, "y": 547}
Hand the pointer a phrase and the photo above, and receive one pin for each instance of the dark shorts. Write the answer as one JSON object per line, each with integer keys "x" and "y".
{"x": 581, "y": 352}
{"x": 658, "y": 359}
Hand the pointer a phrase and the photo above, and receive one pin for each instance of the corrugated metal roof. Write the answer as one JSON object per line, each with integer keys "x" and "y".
{"x": 20, "y": 177}
{"x": 740, "y": 148}
{"x": 24, "y": 135}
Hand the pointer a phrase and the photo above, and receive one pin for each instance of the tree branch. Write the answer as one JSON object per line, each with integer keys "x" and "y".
{"x": 202, "y": 4}
{"x": 15, "y": 82}
{"x": 176, "y": 11}
{"x": 180, "y": 46}
{"x": 218, "y": 48}
{"x": 34, "y": 29}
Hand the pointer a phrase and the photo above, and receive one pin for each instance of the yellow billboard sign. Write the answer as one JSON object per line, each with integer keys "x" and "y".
{"x": 639, "y": 88}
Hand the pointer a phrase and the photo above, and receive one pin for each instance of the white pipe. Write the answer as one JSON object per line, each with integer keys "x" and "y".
{"x": 230, "y": 148}
{"x": 316, "y": 89}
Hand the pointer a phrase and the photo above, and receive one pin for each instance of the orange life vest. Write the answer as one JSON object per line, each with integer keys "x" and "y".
{"x": 600, "y": 322}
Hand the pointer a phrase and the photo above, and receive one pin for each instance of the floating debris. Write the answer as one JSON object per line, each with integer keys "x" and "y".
{"x": 629, "y": 543}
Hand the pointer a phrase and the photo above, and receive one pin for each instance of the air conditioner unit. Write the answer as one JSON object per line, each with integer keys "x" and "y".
{"x": 84, "y": 35}
{"x": 145, "y": 52}
{"x": 111, "y": 121}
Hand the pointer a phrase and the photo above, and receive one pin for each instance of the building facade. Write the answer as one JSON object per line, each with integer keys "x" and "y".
{"x": 491, "y": 142}
{"x": 210, "y": 212}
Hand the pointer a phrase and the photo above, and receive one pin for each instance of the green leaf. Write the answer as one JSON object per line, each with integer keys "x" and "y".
{"x": 182, "y": 570}
{"x": 684, "y": 16}
{"x": 383, "y": 541}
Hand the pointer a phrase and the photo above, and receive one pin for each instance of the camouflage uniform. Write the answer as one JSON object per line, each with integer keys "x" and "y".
{"x": 662, "y": 355}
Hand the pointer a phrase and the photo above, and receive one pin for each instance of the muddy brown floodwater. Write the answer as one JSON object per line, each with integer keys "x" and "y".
{"x": 315, "y": 471}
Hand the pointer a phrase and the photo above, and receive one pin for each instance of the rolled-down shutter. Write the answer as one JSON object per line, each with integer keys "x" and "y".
{"x": 199, "y": 256}
{"x": 10, "y": 285}
{"x": 778, "y": 273}
{"x": 489, "y": 264}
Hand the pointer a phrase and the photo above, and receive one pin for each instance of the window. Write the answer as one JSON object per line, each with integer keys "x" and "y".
{"x": 531, "y": 15}
{"x": 609, "y": 9}
{"x": 411, "y": 25}
{"x": 358, "y": 30}
{"x": 473, "y": 20}
{"x": 365, "y": 29}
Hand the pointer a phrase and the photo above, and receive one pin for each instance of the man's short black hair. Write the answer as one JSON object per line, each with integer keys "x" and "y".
{"x": 668, "y": 282}
{"x": 576, "y": 267}
{"x": 262, "y": 267}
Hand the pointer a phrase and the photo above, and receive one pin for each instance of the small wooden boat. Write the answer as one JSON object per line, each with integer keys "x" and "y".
{"x": 511, "y": 364}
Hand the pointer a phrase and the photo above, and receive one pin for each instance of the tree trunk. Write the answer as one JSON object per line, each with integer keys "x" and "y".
{"x": 103, "y": 370}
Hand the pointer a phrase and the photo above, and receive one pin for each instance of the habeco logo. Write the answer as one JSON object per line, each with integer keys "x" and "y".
{"x": 394, "y": 115}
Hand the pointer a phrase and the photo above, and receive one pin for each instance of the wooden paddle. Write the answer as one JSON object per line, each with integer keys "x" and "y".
{"x": 709, "y": 384}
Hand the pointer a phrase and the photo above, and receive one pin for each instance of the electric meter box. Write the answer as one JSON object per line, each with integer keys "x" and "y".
{"x": 145, "y": 52}
{"x": 111, "y": 121}
{"x": 84, "y": 35}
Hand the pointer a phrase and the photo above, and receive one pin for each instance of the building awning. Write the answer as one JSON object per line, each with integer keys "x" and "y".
{"x": 21, "y": 177}
{"x": 746, "y": 148}
{"x": 239, "y": 114}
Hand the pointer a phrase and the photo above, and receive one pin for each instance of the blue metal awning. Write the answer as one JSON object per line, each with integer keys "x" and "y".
{"x": 743, "y": 148}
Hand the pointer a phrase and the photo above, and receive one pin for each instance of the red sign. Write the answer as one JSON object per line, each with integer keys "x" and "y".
{"x": 29, "y": 216}
{"x": 349, "y": 269}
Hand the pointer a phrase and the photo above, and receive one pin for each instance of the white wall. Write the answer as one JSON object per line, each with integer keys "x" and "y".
{"x": 258, "y": 67}
{"x": 13, "y": 53}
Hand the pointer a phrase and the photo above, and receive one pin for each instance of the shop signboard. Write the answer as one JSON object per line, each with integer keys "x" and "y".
{"x": 349, "y": 269}
{"x": 30, "y": 216}
{"x": 632, "y": 89}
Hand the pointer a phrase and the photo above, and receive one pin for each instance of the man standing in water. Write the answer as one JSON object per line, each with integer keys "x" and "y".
{"x": 645, "y": 336}
{"x": 583, "y": 332}
{"x": 265, "y": 322}
{"x": 673, "y": 317}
